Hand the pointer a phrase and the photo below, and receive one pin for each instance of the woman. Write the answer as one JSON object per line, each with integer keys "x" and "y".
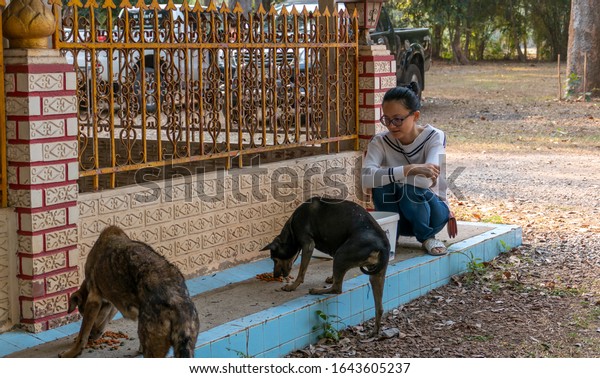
{"x": 402, "y": 166}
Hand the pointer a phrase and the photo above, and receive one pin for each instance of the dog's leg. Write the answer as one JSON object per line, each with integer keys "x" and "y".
{"x": 92, "y": 307}
{"x": 154, "y": 336}
{"x": 307, "y": 251}
{"x": 377, "y": 283}
{"x": 340, "y": 267}
{"x": 107, "y": 312}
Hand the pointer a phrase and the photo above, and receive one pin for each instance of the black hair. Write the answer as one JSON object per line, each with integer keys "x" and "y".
{"x": 407, "y": 95}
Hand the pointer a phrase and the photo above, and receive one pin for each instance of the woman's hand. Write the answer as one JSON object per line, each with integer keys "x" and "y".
{"x": 431, "y": 171}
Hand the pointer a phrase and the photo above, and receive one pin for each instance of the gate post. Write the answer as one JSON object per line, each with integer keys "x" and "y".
{"x": 42, "y": 155}
{"x": 376, "y": 75}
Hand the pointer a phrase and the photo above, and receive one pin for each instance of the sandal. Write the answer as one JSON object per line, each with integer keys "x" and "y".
{"x": 434, "y": 247}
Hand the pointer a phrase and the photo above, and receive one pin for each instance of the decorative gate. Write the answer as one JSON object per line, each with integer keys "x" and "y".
{"x": 165, "y": 85}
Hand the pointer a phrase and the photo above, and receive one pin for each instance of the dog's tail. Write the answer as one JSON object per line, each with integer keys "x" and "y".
{"x": 382, "y": 261}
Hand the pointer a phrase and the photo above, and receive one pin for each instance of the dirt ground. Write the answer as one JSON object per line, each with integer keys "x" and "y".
{"x": 515, "y": 155}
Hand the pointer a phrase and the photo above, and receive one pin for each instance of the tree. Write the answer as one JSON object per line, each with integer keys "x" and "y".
{"x": 549, "y": 22}
{"x": 584, "y": 40}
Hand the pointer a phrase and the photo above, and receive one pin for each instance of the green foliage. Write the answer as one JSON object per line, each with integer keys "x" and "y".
{"x": 497, "y": 219}
{"x": 476, "y": 266}
{"x": 329, "y": 331}
{"x": 494, "y": 50}
{"x": 573, "y": 83}
{"x": 489, "y": 30}
{"x": 573, "y": 88}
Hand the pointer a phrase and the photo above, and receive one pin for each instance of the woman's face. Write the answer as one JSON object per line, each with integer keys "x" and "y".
{"x": 398, "y": 119}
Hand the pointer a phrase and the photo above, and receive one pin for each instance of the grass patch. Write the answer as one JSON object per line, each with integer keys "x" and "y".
{"x": 497, "y": 219}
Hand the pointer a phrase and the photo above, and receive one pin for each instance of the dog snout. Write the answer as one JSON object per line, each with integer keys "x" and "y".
{"x": 280, "y": 270}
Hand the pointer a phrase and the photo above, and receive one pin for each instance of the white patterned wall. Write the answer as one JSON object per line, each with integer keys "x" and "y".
{"x": 210, "y": 222}
{"x": 8, "y": 245}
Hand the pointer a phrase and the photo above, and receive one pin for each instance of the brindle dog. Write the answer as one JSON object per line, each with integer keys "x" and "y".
{"x": 129, "y": 276}
{"x": 341, "y": 229}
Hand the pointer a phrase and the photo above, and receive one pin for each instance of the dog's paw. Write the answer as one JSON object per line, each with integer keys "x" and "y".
{"x": 68, "y": 354}
{"x": 327, "y": 290}
{"x": 289, "y": 287}
{"x": 329, "y": 280}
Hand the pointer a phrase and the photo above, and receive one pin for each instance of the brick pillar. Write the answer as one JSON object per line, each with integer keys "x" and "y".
{"x": 376, "y": 74}
{"x": 42, "y": 176}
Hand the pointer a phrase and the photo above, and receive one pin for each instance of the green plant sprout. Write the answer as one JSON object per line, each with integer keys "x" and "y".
{"x": 327, "y": 321}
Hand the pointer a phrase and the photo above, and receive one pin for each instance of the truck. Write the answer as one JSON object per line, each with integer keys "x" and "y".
{"x": 410, "y": 46}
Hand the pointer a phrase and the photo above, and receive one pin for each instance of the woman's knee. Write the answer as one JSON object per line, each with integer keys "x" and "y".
{"x": 385, "y": 195}
{"x": 413, "y": 196}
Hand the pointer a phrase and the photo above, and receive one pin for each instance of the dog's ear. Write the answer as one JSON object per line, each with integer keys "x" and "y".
{"x": 75, "y": 300}
{"x": 269, "y": 247}
{"x": 272, "y": 246}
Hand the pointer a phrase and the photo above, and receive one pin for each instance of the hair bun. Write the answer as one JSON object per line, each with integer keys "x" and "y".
{"x": 413, "y": 86}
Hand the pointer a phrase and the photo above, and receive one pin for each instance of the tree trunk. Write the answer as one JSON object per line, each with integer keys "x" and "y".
{"x": 516, "y": 38}
{"x": 481, "y": 48}
{"x": 436, "y": 45}
{"x": 459, "y": 56}
{"x": 466, "y": 50}
{"x": 584, "y": 38}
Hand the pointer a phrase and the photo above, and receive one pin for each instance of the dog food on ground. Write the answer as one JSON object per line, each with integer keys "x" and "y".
{"x": 109, "y": 339}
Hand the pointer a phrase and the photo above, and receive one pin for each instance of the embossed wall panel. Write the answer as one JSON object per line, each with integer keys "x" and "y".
{"x": 61, "y": 281}
{"x": 60, "y": 194}
{"x": 40, "y": 82}
{"x": 227, "y": 221}
{"x": 59, "y": 105}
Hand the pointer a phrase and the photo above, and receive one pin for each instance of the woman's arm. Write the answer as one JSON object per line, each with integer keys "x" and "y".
{"x": 375, "y": 175}
{"x": 436, "y": 154}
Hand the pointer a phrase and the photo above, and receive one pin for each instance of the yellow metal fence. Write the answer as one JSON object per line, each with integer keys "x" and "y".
{"x": 173, "y": 84}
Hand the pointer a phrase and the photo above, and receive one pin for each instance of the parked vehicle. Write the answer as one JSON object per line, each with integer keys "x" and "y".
{"x": 115, "y": 67}
{"x": 410, "y": 46}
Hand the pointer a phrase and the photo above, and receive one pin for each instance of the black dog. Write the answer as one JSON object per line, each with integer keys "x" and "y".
{"x": 343, "y": 230}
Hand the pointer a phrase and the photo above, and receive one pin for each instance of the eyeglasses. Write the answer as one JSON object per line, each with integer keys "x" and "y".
{"x": 396, "y": 121}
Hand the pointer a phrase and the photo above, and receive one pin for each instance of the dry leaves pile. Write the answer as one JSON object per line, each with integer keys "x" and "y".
{"x": 528, "y": 160}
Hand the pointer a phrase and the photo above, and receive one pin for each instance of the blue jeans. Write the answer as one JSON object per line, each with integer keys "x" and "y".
{"x": 422, "y": 213}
